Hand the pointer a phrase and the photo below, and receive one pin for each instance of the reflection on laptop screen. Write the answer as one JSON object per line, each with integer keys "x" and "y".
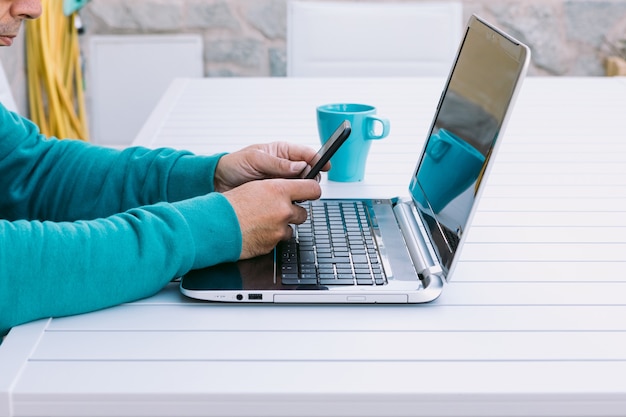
{"x": 464, "y": 133}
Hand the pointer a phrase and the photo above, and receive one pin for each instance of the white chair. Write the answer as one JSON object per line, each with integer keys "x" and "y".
{"x": 372, "y": 39}
{"x": 128, "y": 74}
{"x": 6, "y": 94}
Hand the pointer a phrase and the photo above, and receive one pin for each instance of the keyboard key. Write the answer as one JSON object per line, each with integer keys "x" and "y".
{"x": 326, "y": 270}
{"x": 289, "y": 269}
{"x": 307, "y": 257}
{"x": 359, "y": 259}
{"x": 337, "y": 282}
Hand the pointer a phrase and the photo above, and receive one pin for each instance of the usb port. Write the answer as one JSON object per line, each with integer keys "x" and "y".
{"x": 255, "y": 296}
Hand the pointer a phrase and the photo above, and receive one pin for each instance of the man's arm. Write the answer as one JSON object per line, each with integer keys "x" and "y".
{"x": 88, "y": 258}
{"x": 81, "y": 228}
{"x": 64, "y": 180}
{"x": 58, "y": 269}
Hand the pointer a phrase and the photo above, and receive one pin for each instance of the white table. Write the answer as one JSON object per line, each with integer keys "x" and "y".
{"x": 533, "y": 322}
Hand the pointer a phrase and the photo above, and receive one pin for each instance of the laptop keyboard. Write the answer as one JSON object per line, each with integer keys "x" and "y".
{"x": 333, "y": 247}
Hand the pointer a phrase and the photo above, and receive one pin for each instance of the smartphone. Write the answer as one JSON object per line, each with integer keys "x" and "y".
{"x": 326, "y": 151}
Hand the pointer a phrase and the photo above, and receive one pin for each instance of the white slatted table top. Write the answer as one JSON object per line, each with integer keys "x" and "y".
{"x": 532, "y": 323}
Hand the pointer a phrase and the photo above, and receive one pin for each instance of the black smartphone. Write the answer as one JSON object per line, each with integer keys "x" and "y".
{"x": 327, "y": 150}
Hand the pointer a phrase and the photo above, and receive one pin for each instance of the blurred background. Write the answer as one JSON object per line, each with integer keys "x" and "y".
{"x": 126, "y": 44}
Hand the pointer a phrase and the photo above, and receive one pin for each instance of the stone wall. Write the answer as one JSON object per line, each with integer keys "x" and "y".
{"x": 247, "y": 37}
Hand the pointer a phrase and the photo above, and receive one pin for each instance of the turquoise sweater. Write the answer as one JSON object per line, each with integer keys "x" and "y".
{"x": 84, "y": 228}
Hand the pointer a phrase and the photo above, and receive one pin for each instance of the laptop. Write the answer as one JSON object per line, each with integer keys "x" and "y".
{"x": 398, "y": 250}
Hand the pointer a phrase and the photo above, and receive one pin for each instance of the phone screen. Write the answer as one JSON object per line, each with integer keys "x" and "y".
{"x": 327, "y": 150}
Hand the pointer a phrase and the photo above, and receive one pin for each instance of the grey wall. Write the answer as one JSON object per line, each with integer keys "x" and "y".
{"x": 247, "y": 37}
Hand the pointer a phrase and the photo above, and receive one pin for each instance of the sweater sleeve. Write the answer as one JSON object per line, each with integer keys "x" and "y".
{"x": 132, "y": 221}
{"x": 63, "y": 180}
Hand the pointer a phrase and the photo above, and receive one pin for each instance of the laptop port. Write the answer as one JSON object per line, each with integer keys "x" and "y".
{"x": 255, "y": 296}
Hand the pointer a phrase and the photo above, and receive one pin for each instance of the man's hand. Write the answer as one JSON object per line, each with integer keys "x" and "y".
{"x": 265, "y": 211}
{"x": 272, "y": 160}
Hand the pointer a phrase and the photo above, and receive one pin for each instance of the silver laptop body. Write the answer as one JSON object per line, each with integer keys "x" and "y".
{"x": 417, "y": 239}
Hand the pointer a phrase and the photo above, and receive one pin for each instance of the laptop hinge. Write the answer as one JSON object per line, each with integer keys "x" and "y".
{"x": 414, "y": 235}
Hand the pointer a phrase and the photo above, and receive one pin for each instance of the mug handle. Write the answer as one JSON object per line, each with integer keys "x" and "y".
{"x": 372, "y": 121}
{"x": 437, "y": 146}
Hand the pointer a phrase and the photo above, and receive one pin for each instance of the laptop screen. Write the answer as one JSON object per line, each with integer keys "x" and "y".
{"x": 467, "y": 125}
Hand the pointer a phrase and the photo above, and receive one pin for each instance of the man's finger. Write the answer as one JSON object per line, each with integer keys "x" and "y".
{"x": 276, "y": 167}
{"x": 293, "y": 152}
{"x": 302, "y": 190}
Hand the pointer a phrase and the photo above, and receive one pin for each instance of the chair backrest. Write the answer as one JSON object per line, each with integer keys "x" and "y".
{"x": 128, "y": 74}
{"x": 6, "y": 94}
{"x": 372, "y": 39}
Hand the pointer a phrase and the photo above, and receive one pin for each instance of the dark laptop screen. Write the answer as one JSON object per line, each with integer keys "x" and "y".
{"x": 469, "y": 120}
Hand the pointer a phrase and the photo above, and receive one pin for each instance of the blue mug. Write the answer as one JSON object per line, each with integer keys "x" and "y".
{"x": 348, "y": 164}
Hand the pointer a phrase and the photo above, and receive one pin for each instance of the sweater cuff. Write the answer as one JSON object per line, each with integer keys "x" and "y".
{"x": 192, "y": 176}
{"x": 214, "y": 228}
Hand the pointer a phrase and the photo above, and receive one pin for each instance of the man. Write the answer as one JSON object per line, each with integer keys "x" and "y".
{"x": 84, "y": 228}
